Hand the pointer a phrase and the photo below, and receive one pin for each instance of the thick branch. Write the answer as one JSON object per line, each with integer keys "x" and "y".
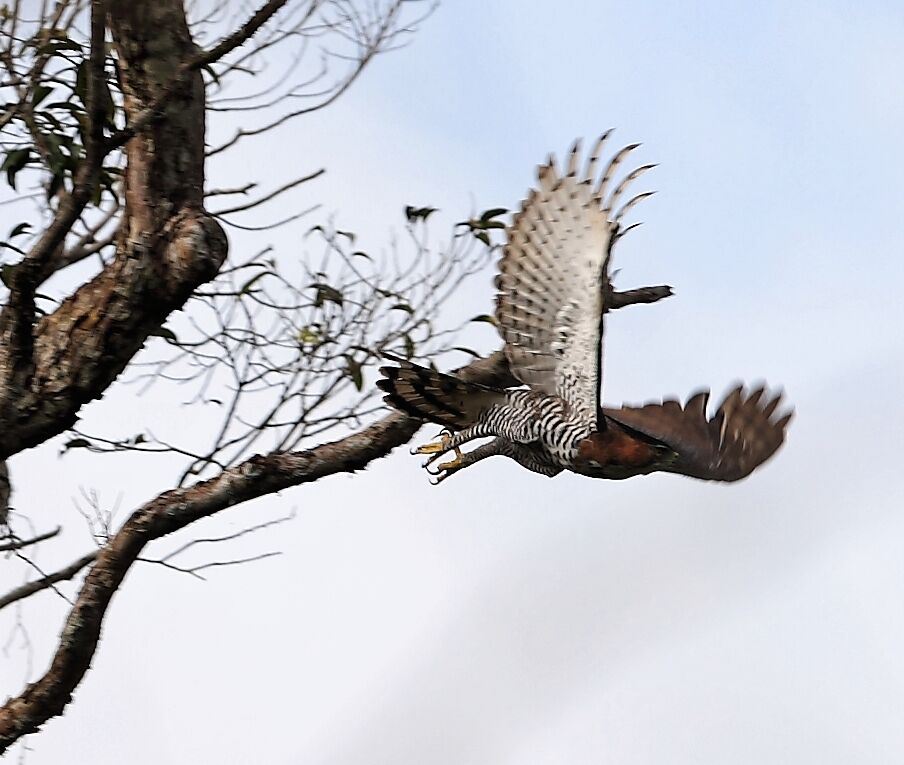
{"x": 178, "y": 508}
{"x": 167, "y": 244}
{"x": 155, "y": 108}
{"x": 17, "y": 317}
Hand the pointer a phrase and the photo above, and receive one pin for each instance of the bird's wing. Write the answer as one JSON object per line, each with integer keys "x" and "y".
{"x": 745, "y": 431}
{"x": 553, "y": 277}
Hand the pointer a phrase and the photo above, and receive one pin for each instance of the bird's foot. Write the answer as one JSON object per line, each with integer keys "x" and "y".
{"x": 438, "y": 447}
{"x": 445, "y": 469}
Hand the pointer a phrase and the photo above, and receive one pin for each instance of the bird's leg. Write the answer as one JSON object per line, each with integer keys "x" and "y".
{"x": 461, "y": 460}
{"x": 527, "y": 455}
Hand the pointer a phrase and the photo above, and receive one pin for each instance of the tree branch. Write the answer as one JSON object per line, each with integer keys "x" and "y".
{"x": 241, "y": 35}
{"x": 175, "y": 509}
{"x": 183, "y": 74}
{"x": 17, "y": 317}
{"x": 18, "y": 544}
{"x": 167, "y": 245}
{"x": 641, "y": 295}
{"x": 30, "y": 588}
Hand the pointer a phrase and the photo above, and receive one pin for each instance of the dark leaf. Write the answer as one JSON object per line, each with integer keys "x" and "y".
{"x": 493, "y": 213}
{"x": 13, "y": 162}
{"x": 166, "y": 334}
{"x": 76, "y": 443}
{"x": 325, "y": 293}
{"x": 418, "y": 213}
{"x": 7, "y": 271}
{"x": 39, "y": 94}
{"x": 353, "y": 369}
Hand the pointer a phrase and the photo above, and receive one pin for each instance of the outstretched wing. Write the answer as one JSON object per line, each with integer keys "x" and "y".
{"x": 553, "y": 277}
{"x": 746, "y": 430}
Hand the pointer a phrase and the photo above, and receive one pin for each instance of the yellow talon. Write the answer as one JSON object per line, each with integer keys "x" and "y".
{"x": 451, "y": 464}
{"x": 435, "y": 447}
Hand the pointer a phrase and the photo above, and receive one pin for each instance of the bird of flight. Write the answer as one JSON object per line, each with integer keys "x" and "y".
{"x": 553, "y": 287}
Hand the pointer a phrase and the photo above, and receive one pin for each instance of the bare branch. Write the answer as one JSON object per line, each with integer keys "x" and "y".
{"x": 241, "y": 35}
{"x": 30, "y": 588}
{"x": 271, "y": 195}
{"x": 18, "y": 544}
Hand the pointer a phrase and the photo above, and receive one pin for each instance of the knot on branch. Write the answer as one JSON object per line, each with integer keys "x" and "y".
{"x": 197, "y": 249}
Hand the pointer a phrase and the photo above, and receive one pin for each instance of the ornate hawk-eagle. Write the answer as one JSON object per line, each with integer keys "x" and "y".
{"x": 553, "y": 287}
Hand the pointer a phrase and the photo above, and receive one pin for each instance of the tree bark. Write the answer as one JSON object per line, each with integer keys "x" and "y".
{"x": 167, "y": 244}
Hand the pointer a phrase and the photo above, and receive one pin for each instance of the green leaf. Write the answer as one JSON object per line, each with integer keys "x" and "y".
{"x": 19, "y": 229}
{"x": 402, "y": 307}
{"x": 353, "y": 369}
{"x": 6, "y": 272}
{"x": 81, "y": 82}
{"x": 485, "y": 317}
{"x": 40, "y": 93}
{"x": 484, "y": 237}
{"x": 14, "y": 161}
{"x": 493, "y": 213}
{"x": 308, "y": 336}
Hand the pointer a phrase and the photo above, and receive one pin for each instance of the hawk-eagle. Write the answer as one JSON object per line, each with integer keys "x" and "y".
{"x": 553, "y": 284}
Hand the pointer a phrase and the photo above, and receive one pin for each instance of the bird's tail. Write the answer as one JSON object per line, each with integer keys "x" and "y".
{"x": 434, "y": 396}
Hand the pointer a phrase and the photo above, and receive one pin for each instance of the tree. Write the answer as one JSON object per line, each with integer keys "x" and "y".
{"x": 104, "y": 134}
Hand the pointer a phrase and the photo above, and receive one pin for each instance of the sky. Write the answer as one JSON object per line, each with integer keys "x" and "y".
{"x": 505, "y": 617}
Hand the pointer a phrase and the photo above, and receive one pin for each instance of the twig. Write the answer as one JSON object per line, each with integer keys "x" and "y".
{"x": 18, "y": 544}
{"x": 271, "y": 195}
{"x": 30, "y": 588}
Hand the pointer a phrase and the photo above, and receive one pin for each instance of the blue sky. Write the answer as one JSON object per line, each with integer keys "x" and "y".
{"x": 508, "y": 618}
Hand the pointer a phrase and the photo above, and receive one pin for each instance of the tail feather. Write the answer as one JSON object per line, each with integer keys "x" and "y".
{"x": 434, "y": 396}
